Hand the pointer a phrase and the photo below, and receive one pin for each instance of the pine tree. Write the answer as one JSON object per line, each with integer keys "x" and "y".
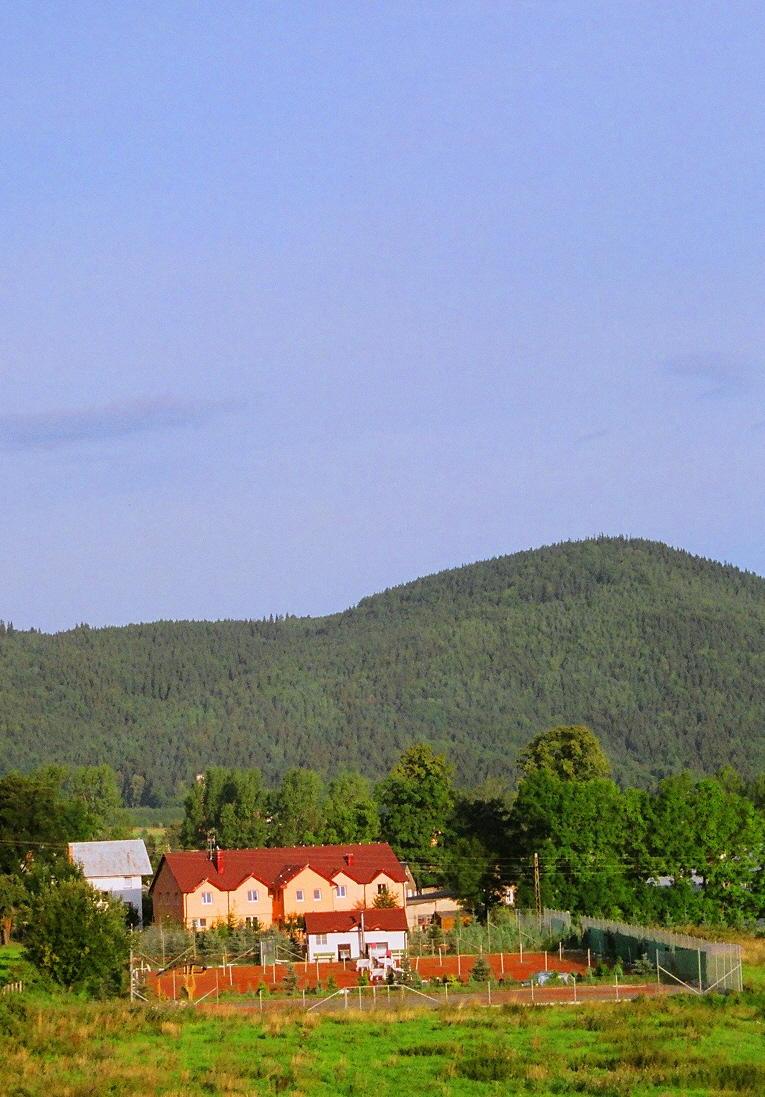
{"x": 290, "y": 981}
{"x": 481, "y": 972}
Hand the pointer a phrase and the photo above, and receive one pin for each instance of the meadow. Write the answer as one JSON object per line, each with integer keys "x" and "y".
{"x": 697, "y": 1047}
{"x": 59, "y": 1045}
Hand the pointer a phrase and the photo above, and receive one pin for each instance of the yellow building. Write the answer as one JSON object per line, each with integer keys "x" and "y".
{"x": 272, "y": 885}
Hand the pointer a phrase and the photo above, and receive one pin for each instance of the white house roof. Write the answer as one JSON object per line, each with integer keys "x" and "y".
{"x": 125, "y": 858}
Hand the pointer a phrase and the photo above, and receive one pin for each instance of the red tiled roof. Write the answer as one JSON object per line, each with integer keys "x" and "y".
{"x": 347, "y": 921}
{"x": 274, "y": 867}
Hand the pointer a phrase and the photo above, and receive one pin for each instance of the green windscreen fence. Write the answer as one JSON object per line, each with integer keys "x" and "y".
{"x": 702, "y": 965}
{"x": 552, "y": 924}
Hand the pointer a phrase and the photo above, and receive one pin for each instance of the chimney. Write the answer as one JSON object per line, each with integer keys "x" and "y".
{"x": 349, "y": 858}
{"x": 218, "y": 859}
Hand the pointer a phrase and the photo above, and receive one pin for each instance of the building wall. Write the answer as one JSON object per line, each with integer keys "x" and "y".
{"x": 420, "y": 912}
{"x": 206, "y": 914}
{"x": 371, "y": 890}
{"x": 167, "y": 898}
{"x": 240, "y": 906}
{"x": 126, "y": 888}
{"x": 308, "y": 881}
{"x": 394, "y": 940}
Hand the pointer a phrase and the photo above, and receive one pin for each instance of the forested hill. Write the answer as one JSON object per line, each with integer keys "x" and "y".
{"x": 661, "y": 652}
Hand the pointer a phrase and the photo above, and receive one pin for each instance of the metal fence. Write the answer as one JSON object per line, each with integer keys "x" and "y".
{"x": 698, "y": 964}
{"x": 551, "y": 924}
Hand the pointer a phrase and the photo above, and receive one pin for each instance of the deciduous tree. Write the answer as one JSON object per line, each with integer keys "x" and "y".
{"x": 416, "y": 802}
{"x": 78, "y": 937}
{"x": 572, "y": 752}
{"x": 351, "y": 810}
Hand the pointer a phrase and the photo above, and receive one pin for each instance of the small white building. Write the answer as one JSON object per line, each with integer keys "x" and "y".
{"x": 352, "y": 934}
{"x": 114, "y": 867}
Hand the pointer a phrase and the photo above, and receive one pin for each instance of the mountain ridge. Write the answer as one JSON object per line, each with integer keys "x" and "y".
{"x": 660, "y": 651}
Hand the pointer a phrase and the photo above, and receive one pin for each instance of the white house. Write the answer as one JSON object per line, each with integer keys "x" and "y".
{"x": 351, "y": 934}
{"x": 114, "y": 867}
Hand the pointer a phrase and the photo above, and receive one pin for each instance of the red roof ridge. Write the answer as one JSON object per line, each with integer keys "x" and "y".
{"x": 392, "y": 919}
{"x": 275, "y": 865}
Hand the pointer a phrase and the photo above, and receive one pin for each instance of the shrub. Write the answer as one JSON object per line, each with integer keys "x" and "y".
{"x": 78, "y": 937}
{"x": 644, "y": 966}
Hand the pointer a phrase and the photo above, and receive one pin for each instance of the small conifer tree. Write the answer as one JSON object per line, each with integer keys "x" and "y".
{"x": 290, "y": 982}
{"x": 481, "y": 972}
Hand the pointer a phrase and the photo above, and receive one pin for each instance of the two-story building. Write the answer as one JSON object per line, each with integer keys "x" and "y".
{"x": 114, "y": 867}
{"x": 200, "y": 890}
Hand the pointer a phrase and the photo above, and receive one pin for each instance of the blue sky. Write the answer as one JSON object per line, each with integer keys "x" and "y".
{"x": 304, "y": 300}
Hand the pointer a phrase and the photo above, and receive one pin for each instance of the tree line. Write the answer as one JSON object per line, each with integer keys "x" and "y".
{"x": 689, "y": 850}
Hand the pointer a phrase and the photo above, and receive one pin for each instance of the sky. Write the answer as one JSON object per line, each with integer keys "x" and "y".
{"x": 300, "y": 301}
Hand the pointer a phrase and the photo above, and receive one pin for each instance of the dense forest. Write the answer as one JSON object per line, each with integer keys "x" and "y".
{"x": 661, "y": 652}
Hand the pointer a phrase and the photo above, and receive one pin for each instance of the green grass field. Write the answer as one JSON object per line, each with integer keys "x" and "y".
{"x": 61, "y": 1046}
{"x": 694, "y": 1047}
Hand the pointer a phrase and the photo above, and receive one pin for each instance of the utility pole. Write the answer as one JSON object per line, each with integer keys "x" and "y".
{"x": 537, "y": 891}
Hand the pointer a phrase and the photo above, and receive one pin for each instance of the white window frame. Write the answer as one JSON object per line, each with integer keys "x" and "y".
{"x": 320, "y": 938}
{"x": 252, "y": 895}
{"x": 207, "y": 898}
{"x": 299, "y": 895}
{"x": 317, "y": 895}
{"x": 341, "y": 891}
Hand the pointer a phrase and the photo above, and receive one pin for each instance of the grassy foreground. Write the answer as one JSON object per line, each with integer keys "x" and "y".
{"x": 694, "y": 1047}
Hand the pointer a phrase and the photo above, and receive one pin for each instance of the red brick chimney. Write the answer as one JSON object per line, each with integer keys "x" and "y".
{"x": 218, "y": 859}
{"x": 349, "y": 858}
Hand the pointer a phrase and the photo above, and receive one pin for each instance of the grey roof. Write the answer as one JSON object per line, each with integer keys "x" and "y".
{"x": 126, "y": 858}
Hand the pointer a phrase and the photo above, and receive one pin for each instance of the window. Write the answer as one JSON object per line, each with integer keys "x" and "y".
{"x": 317, "y": 894}
{"x": 251, "y": 921}
{"x": 381, "y": 889}
{"x": 198, "y": 923}
{"x": 252, "y": 896}
{"x": 207, "y": 898}
{"x": 321, "y": 938}
{"x": 299, "y": 896}
{"x": 341, "y": 891}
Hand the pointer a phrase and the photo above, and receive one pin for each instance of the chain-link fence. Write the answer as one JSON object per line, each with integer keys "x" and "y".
{"x": 551, "y": 925}
{"x": 701, "y": 965}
